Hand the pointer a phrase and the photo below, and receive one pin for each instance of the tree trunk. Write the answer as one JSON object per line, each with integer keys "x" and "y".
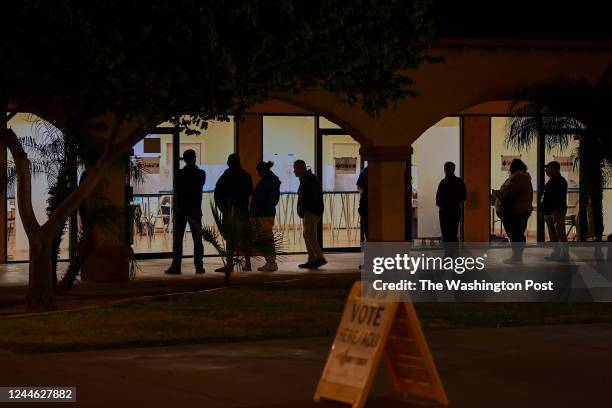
{"x": 40, "y": 291}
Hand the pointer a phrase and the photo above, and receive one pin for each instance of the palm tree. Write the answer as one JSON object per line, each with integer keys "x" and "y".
{"x": 560, "y": 111}
{"x": 236, "y": 236}
{"x": 59, "y": 158}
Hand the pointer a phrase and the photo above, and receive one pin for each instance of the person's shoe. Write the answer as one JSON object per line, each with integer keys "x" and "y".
{"x": 513, "y": 261}
{"x": 200, "y": 270}
{"x": 308, "y": 265}
{"x": 268, "y": 267}
{"x": 223, "y": 269}
{"x": 320, "y": 262}
{"x": 172, "y": 271}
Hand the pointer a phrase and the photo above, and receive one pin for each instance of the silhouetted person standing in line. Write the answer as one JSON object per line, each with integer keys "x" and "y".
{"x": 514, "y": 207}
{"x": 232, "y": 193}
{"x": 554, "y": 209}
{"x": 263, "y": 209}
{"x": 449, "y": 198}
{"x": 362, "y": 187}
{"x": 310, "y": 209}
{"x": 188, "y": 209}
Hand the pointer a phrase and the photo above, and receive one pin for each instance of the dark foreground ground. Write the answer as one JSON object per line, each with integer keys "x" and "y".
{"x": 263, "y": 343}
{"x": 261, "y": 308}
{"x": 538, "y": 366}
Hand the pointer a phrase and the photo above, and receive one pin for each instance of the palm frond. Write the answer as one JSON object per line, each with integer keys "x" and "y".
{"x": 235, "y": 237}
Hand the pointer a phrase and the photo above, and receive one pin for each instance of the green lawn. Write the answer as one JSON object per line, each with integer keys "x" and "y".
{"x": 305, "y": 308}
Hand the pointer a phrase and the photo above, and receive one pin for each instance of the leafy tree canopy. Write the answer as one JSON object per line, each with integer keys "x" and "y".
{"x": 210, "y": 58}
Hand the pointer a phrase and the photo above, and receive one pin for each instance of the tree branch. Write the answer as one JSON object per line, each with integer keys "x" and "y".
{"x": 24, "y": 182}
{"x": 112, "y": 152}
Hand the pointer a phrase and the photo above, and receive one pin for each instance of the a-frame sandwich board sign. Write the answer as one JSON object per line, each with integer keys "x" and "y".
{"x": 369, "y": 330}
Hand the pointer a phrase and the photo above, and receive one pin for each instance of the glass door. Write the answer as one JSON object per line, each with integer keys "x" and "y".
{"x": 340, "y": 165}
{"x": 151, "y": 177}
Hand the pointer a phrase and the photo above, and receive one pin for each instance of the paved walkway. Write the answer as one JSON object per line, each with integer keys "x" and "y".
{"x": 556, "y": 366}
{"x": 151, "y": 281}
{"x": 16, "y": 274}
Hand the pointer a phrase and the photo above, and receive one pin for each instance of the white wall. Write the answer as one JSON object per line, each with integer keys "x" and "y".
{"x": 285, "y": 140}
{"x": 439, "y": 144}
{"x": 212, "y": 147}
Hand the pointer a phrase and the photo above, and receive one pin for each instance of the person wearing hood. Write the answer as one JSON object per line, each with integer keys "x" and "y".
{"x": 263, "y": 208}
{"x": 232, "y": 193}
{"x": 514, "y": 207}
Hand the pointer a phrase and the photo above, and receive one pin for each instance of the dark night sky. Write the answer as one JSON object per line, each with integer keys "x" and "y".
{"x": 519, "y": 19}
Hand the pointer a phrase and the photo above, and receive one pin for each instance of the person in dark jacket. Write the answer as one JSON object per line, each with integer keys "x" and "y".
{"x": 263, "y": 208}
{"x": 188, "y": 209}
{"x": 514, "y": 206}
{"x": 234, "y": 187}
{"x": 232, "y": 193}
{"x": 310, "y": 209}
{"x": 449, "y": 198}
{"x": 554, "y": 209}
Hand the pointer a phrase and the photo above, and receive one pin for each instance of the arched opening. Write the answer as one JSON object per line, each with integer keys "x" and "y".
{"x": 441, "y": 143}
{"x": 484, "y": 155}
{"x": 275, "y": 131}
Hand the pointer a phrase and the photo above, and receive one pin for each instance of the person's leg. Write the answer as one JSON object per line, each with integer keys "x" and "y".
{"x": 265, "y": 227}
{"x": 443, "y": 225}
{"x": 180, "y": 222}
{"x": 512, "y": 225}
{"x": 267, "y": 230}
{"x": 195, "y": 224}
{"x": 551, "y": 227}
{"x": 523, "y": 220}
{"x": 451, "y": 232}
{"x": 519, "y": 248}
{"x": 315, "y": 246}
{"x": 453, "y": 225}
{"x": 309, "y": 229}
{"x": 553, "y": 237}
{"x": 559, "y": 222}
{"x": 509, "y": 226}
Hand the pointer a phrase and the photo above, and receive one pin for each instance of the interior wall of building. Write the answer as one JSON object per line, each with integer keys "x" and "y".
{"x": 335, "y": 147}
{"x": 285, "y": 140}
{"x": 439, "y": 144}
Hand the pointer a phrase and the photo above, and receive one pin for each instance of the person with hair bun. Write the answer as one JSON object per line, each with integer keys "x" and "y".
{"x": 263, "y": 208}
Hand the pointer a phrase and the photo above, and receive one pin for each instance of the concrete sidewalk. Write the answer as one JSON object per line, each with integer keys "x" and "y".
{"x": 556, "y": 366}
{"x": 151, "y": 280}
{"x": 16, "y": 274}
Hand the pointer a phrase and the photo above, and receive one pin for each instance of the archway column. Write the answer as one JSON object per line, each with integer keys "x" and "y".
{"x": 387, "y": 191}
{"x": 110, "y": 259}
{"x": 476, "y": 168}
{"x": 249, "y": 142}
